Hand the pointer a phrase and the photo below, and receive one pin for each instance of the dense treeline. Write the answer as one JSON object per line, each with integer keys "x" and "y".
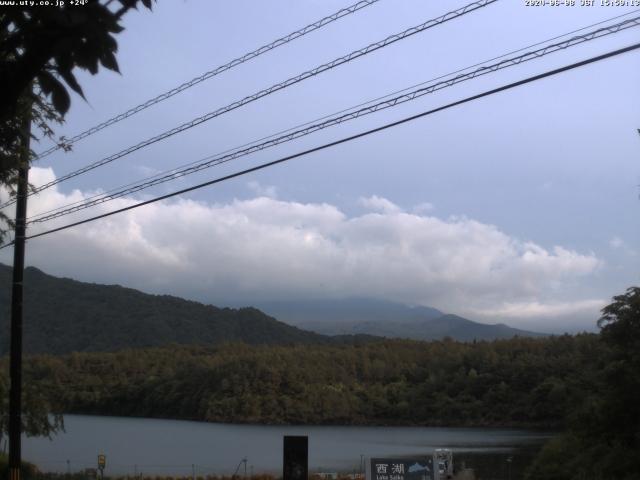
{"x": 587, "y": 385}
{"x": 518, "y": 382}
{"x": 64, "y": 315}
{"x": 602, "y": 438}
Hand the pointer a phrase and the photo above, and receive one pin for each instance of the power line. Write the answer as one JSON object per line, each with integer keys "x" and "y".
{"x": 303, "y": 31}
{"x": 274, "y": 88}
{"x": 346, "y": 139}
{"x": 107, "y": 195}
{"x": 160, "y": 174}
{"x": 225, "y": 157}
{"x": 216, "y": 71}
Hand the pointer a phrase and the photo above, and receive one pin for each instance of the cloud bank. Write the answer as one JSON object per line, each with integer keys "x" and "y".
{"x": 266, "y": 248}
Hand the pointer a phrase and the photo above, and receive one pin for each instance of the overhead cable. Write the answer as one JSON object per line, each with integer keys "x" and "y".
{"x": 274, "y": 88}
{"x": 216, "y": 71}
{"x": 290, "y": 129}
{"x": 346, "y": 139}
{"x": 225, "y": 157}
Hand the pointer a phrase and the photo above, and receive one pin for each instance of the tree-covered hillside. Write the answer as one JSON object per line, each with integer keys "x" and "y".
{"x": 64, "y": 315}
{"x": 532, "y": 382}
{"x": 602, "y": 438}
{"x": 354, "y": 316}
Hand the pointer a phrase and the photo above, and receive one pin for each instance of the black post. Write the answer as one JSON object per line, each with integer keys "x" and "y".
{"x": 296, "y": 458}
{"x": 15, "y": 391}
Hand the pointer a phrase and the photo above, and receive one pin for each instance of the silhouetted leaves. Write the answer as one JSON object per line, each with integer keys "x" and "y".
{"x": 603, "y": 438}
{"x": 59, "y": 96}
{"x": 57, "y": 40}
{"x": 39, "y": 49}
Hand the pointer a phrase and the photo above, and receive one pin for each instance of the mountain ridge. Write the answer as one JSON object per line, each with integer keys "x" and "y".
{"x": 62, "y": 315}
{"x": 385, "y": 319}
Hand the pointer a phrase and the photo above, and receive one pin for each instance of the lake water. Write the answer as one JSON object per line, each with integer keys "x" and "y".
{"x": 163, "y": 447}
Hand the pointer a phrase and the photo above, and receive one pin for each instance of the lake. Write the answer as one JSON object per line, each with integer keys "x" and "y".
{"x": 163, "y": 447}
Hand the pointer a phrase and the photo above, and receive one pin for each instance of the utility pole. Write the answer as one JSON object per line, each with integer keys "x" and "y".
{"x": 15, "y": 391}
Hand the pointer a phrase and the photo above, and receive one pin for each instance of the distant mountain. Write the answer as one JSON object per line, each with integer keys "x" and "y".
{"x": 352, "y": 310}
{"x": 64, "y": 315}
{"x": 385, "y": 319}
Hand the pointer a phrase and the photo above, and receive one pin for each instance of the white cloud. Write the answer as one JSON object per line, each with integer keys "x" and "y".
{"x": 424, "y": 207}
{"x": 146, "y": 170}
{"x": 538, "y": 310}
{"x": 261, "y": 190}
{"x": 268, "y": 248}
{"x": 379, "y": 204}
{"x": 616, "y": 243}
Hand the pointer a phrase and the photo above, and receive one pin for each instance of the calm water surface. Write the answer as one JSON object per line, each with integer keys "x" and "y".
{"x": 149, "y": 446}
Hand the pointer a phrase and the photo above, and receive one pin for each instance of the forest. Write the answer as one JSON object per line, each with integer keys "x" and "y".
{"x": 518, "y": 382}
{"x": 62, "y": 315}
{"x": 586, "y": 386}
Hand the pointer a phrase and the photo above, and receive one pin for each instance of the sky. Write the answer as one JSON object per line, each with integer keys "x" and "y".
{"x": 519, "y": 208}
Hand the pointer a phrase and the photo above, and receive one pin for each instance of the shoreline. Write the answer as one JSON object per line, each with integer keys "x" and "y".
{"x": 553, "y": 429}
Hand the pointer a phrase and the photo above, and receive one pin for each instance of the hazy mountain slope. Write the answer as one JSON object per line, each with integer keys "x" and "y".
{"x": 385, "y": 319}
{"x": 64, "y": 315}
{"x": 463, "y": 329}
{"x": 345, "y": 309}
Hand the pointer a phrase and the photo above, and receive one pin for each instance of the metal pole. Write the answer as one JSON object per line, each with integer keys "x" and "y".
{"x": 15, "y": 391}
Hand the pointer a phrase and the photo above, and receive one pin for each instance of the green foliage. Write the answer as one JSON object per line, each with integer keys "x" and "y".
{"x": 39, "y": 50}
{"x": 557, "y": 460}
{"x": 29, "y": 471}
{"x": 40, "y": 416}
{"x": 603, "y": 438}
{"x": 518, "y": 382}
{"x": 63, "y": 315}
{"x": 46, "y": 44}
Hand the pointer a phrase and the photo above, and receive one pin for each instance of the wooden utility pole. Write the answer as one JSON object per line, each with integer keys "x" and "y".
{"x": 15, "y": 392}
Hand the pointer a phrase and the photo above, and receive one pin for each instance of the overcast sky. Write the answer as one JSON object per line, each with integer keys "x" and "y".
{"x": 520, "y": 208}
